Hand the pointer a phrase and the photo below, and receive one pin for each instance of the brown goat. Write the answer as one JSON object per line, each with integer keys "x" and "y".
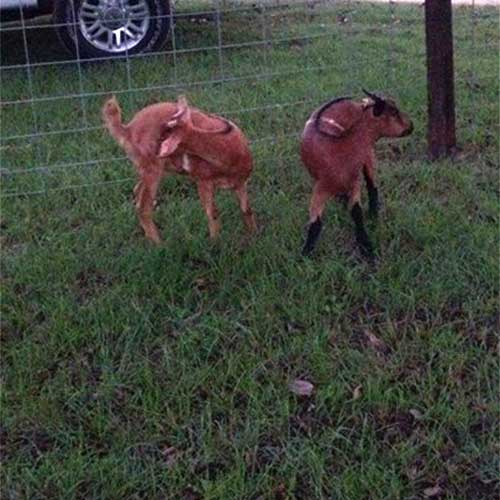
{"x": 167, "y": 138}
{"x": 338, "y": 145}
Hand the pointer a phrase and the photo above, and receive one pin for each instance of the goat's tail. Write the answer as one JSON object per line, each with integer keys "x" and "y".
{"x": 112, "y": 116}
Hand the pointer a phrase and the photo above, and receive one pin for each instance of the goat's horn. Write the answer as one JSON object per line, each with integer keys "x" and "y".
{"x": 375, "y": 97}
{"x": 182, "y": 101}
{"x": 182, "y": 106}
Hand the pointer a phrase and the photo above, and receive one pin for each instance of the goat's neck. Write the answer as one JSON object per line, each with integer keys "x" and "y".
{"x": 372, "y": 132}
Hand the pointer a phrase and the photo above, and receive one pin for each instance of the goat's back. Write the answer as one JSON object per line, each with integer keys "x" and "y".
{"x": 334, "y": 143}
{"x": 148, "y": 128}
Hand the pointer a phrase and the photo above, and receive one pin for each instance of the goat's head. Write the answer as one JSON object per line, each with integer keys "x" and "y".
{"x": 180, "y": 127}
{"x": 389, "y": 121}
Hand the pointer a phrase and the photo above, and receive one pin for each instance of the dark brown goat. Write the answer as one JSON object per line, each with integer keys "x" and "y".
{"x": 167, "y": 138}
{"x": 338, "y": 146}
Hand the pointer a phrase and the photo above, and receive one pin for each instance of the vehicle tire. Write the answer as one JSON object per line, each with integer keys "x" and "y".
{"x": 111, "y": 28}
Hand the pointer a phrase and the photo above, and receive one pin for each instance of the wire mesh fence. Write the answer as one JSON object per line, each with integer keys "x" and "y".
{"x": 266, "y": 65}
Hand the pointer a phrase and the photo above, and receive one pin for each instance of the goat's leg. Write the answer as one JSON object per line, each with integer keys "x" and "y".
{"x": 357, "y": 216}
{"x": 316, "y": 209}
{"x": 145, "y": 195}
{"x": 373, "y": 203}
{"x": 246, "y": 210}
{"x": 206, "y": 192}
{"x": 137, "y": 188}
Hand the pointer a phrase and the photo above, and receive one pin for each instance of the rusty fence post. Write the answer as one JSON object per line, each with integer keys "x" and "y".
{"x": 441, "y": 138}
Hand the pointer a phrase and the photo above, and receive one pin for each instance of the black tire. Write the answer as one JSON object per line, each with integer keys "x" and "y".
{"x": 67, "y": 27}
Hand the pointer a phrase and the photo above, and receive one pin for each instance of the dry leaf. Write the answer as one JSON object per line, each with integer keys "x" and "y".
{"x": 170, "y": 454}
{"x": 412, "y": 473}
{"x": 333, "y": 338}
{"x": 373, "y": 339}
{"x": 416, "y": 414}
{"x": 375, "y": 342}
{"x": 301, "y": 387}
{"x": 280, "y": 492}
{"x": 189, "y": 493}
{"x": 479, "y": 407}
{"x": 356, "y": 394}
{"x": 433, "y": 492}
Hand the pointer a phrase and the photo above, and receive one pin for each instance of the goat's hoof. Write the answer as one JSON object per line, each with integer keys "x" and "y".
{"x": 306, "y": 251}
{"x": 368, "y": 255}
{"x": 154, "y": 238}
{"x": 214, "y": 243}
{"x": 366, "y": 249}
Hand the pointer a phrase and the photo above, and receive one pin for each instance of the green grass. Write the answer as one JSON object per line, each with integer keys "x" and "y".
{"x": 132, "y": 371}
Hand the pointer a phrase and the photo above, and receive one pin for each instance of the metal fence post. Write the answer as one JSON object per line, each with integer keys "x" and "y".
{"x": 441, "y": 139}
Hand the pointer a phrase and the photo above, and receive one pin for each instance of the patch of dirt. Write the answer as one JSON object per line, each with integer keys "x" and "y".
{"x": 489, "y": 325}
{"x": 280, "y": 492}
{"x": 83, "y": 489}
{"x": 190, "y": 493}
{"x": 411, "y": 371}
{"x": 83, "y": 370}
{"x": 395, "y": 426}
{"x": 267, "y": 454}
{"x": 45, "y": 375}
{"x": 436, "y": 489}
{"x": 3, "y": 445}
{"x": 240, "y": 400}
{"x": 484, "y": 424}
{"x": 476, "y": 489}
{"x": 210, "y": 470}
{"x": 204, "y": 284}
{"x": 96, "y": 443}
{"x": 364, "y": 339}
{"x": 481, "y": 330}
{"x": 176, "y": 327}
{"x": 161, "y": 453}
{"x": 31, "y": 442}
{"x": 307, "y": 420}
{"x": 90, "y": 282}
{"x": 291, "y": 326}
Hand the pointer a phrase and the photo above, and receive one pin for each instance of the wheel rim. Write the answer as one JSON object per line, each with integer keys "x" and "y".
{"x": 114, "y": 26}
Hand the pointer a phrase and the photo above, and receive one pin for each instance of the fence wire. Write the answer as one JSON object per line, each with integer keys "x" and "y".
{"x": 266, "y": 65}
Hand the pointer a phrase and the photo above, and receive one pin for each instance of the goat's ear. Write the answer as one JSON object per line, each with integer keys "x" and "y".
{"x": 170, "y": 144}
{"x": 379, "y": 107}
